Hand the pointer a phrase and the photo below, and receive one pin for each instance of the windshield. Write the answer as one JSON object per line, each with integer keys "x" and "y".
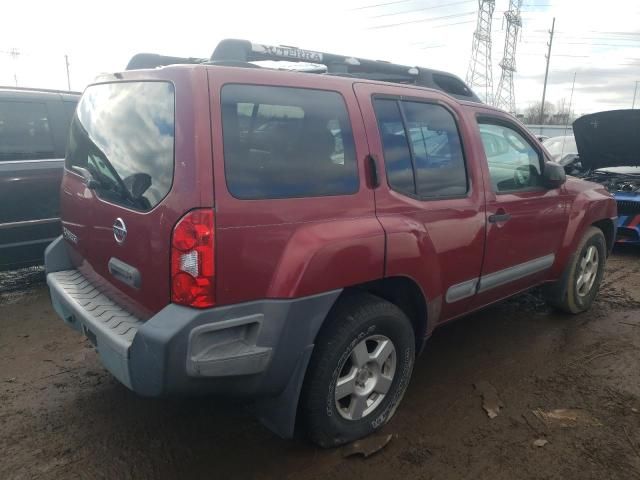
{"x": 123, "y": 135}
{"x": 560, "y": 146}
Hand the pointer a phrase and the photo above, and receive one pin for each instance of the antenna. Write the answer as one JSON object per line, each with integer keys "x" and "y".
{"x": 479, "y": 74}
{"x": 506, "y": 95}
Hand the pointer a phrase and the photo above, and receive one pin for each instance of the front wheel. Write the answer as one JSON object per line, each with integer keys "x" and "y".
{"x": 577, "y": 289}
{"x": 359, "y": 370}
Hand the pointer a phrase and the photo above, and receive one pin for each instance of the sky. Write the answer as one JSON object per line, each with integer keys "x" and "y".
{"x": 598, "y": 42}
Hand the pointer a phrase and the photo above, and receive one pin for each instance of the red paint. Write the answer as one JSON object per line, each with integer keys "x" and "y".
{"x": 288, "y": 248}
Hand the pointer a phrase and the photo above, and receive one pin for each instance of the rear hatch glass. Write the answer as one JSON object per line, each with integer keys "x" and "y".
{"x": 123, "y": 136}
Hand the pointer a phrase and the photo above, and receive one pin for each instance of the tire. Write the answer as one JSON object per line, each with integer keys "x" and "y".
{"x": 572, "y": 294}
{"x": 357, "y": 321}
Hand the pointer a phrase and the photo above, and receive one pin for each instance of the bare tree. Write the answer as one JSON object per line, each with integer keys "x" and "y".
{"x": 532, "y": 112}
{"x": 563, "y": 115}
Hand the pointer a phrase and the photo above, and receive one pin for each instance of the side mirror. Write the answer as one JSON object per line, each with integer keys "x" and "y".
{"x": 553, "y": 175}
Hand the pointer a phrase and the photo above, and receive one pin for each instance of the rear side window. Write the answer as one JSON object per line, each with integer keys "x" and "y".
{"x": 284, "y": 142}
{"x": 122, "y": 134}
{"x": 397, "y": 156}
{"x": 25, "y": 133}
{"x": 422, "y": 149}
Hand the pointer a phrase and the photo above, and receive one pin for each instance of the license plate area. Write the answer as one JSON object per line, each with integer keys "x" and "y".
{"x": 90, "y": 335}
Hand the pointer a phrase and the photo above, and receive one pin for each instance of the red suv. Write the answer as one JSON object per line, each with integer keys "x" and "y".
{"x": 296, "y": 237}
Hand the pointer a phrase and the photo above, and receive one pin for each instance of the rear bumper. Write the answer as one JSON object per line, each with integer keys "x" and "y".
{"x": 251, "y": 349}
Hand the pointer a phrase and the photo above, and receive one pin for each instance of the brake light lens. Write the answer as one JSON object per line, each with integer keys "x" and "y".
{"x": 193, "y": 260}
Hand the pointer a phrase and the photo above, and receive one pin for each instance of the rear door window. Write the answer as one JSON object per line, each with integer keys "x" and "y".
{"x": 282, "y": 142}
{"x": 422, "y": 149}
{"x": 397, "y": 156}
{"x": 123, "y": 136}
{"x": 437, "y": 151}
{"x": 25, "y": 133}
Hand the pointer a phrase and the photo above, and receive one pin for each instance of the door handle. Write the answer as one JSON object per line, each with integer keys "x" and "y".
{"x": 499, "y": 217}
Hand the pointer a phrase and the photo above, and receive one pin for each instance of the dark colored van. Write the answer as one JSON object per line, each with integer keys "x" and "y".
{"x": 34, "y": 127}
{"x": 295, "y": 238}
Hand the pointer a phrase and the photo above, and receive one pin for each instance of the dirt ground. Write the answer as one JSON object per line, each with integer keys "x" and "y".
{"x": 63, "y": 416}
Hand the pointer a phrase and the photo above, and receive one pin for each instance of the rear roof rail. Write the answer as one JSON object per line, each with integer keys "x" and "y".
{"x": 243, "y": 52}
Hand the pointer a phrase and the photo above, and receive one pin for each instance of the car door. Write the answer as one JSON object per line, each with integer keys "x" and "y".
{"x": 525, "y": 220}
{"x": 30, "y": 171}
{"x": 430, "y": 200}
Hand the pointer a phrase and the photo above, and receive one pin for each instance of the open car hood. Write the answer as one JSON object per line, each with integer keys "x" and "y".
{"x": 608, "y": 139}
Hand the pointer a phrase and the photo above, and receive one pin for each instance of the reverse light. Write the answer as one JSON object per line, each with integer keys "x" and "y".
{"x": 193, "y": 259}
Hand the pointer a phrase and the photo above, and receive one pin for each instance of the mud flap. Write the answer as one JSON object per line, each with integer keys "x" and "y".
{"x": 278, "y": 414}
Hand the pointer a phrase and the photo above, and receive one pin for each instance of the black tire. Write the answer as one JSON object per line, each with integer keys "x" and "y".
{"x": 564, "y": 294}
{"x": 353, "y": 320}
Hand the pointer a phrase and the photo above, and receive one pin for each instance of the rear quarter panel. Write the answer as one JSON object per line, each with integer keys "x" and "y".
{"x": 286, "y": 248}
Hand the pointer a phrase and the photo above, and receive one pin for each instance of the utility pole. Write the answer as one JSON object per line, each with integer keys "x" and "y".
{"x": 546, "y": 72}
{"x": 66, "y": 62}
{"x": 15, "y": 53}
{"x": 634, "y": 95}
{"x": 480, "y": 72}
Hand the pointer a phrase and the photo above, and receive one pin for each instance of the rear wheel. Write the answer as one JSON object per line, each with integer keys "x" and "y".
{"x": 577, "y": 289}
{"x": 359, "y": 370}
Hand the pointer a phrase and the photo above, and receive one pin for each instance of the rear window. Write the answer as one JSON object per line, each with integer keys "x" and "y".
{"x": 25, "y": 133}
{"x": 282, "y": 142}
{"x": 122, "y": 134}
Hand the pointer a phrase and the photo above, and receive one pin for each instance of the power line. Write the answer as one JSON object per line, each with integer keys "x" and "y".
{"x": 451, "y": 24}
{"x": 583, "y": 43}
{"x": 422, "y": 20}
{"x": 555, "y": 55}
{"x": 380, "y": 5}
{"x": 423, "y": 9}
{"x": 596, "y": 31}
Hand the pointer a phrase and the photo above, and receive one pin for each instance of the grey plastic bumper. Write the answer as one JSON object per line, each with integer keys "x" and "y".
{"x": 87, "y": 310}
{"x": 257, "y": 348}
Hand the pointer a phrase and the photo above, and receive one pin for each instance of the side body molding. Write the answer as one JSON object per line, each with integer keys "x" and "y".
{"x": 496, "y": 279}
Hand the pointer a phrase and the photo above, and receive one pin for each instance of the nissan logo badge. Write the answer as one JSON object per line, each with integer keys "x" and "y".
{"x": 119, "y": 231}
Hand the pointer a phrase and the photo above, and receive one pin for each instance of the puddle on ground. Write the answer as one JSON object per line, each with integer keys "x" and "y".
{"x": 15, "y": 285}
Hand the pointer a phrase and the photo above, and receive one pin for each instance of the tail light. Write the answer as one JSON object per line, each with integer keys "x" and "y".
{"x": 193, "y": 260}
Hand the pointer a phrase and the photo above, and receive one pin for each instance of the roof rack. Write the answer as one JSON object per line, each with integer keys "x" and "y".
{"x": 232, "y": 52}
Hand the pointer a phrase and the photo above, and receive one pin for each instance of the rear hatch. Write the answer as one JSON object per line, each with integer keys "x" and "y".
{"x": 139, "y": 157}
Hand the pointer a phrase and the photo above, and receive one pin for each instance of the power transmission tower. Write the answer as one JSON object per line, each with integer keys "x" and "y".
{"x": 506, "y": 95}
{"x": 480, "y": 74}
